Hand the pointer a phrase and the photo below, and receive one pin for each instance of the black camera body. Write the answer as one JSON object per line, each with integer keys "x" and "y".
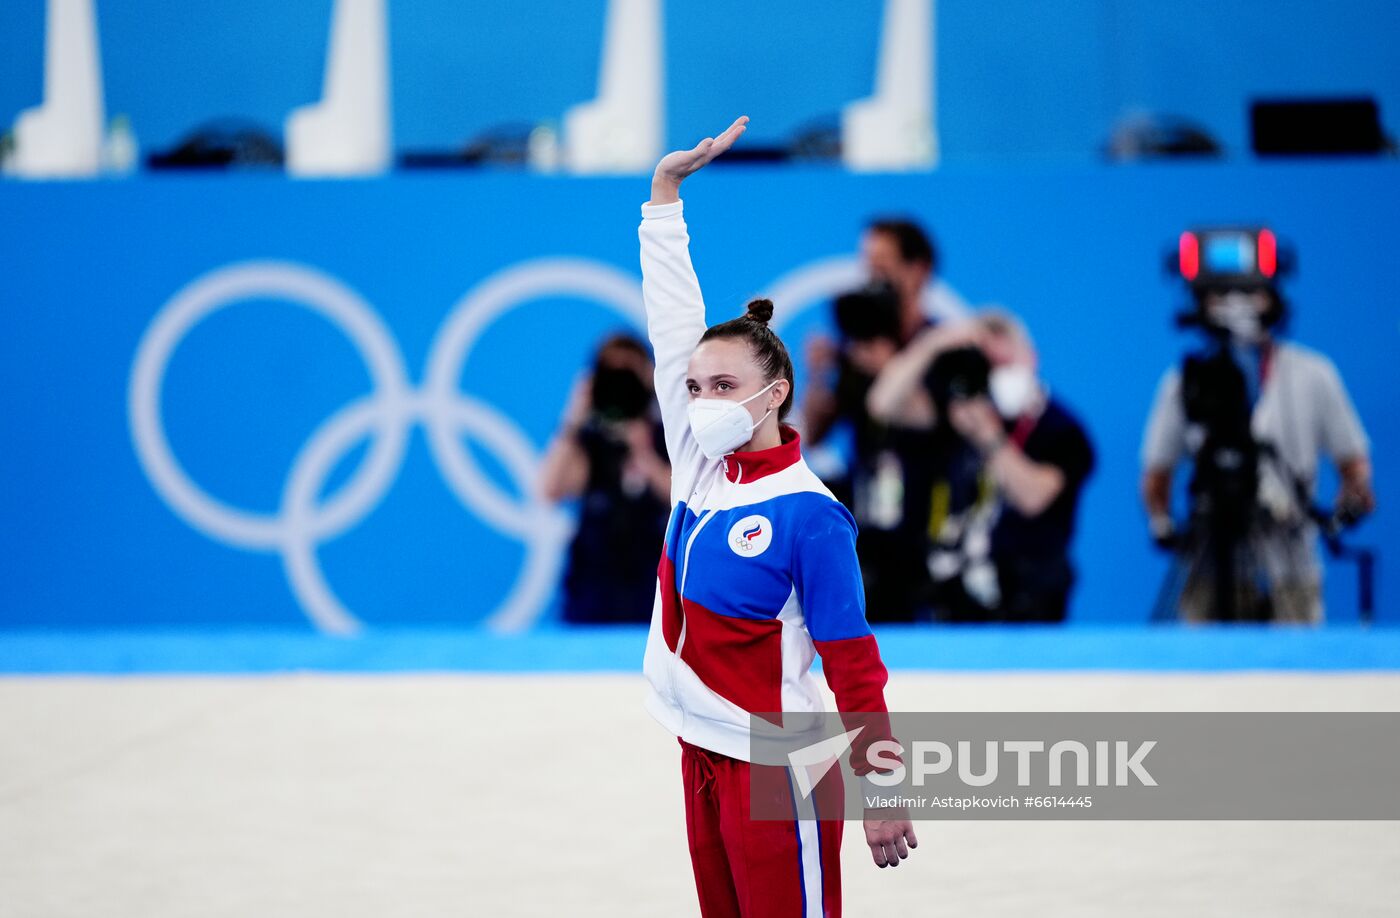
{"x": 619, "y": 395}
{"x": 958, "y": 373}
{"x": 868, "y": 313}
{"x": 1225, "y": 478}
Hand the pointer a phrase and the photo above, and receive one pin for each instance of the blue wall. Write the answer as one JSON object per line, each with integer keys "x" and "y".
{"x": 88, "y": 267}
{"x": 1041, "y": 78}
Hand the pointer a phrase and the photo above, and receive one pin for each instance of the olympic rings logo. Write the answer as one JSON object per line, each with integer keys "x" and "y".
{"x": 388, "y": 414}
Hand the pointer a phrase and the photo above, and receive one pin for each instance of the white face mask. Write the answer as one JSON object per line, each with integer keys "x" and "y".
{"x": 721, "y": 426}
{"x": 1013, "y": 387}
{"x": 1237, "y": 314}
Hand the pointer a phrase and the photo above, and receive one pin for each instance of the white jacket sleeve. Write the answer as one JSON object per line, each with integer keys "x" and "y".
{"x": 675, "y": 322}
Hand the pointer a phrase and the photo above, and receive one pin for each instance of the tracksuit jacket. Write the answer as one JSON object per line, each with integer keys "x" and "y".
{"x": 759, "y": 571}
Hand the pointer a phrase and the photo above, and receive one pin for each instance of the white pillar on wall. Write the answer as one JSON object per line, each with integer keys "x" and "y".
{"x": 63, "y": 136}
{"x": 348, "y": 132}
{"x": 894, "y": 129}
{"x": 622, "y": 130}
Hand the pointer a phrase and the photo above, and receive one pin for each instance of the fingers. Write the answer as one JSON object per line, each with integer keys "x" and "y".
{"x": 889, "y": 849}
{"x": 883, "y": 853}
{"x": 895, "y": 851}
{"x": 726, "y": 140}
{"x": 887, "y": 855}
{"x": 682, "y": 163}
{"x": 732, "y": 132}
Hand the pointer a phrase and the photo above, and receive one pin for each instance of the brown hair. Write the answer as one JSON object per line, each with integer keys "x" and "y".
{"x": 624, "y": 342}
{"x": 914, "y": 244}
{"x": 768, "y": 349}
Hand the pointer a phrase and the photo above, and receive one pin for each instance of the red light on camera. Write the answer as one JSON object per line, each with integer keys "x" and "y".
{"x": 1268, "y": 253}
{"x": 1188, "y": 251}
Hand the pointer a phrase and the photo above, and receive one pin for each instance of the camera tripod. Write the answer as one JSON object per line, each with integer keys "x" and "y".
{"x": 1223, "y": 578}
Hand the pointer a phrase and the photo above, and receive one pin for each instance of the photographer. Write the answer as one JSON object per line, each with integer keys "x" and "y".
{"x": 887, "y": 479}
{"x": 898, "y": 253}
{"x": 1254, "y": 413}
{"x": 1008, "y": 464}
{"x": 900, "y": 257}
{"x": 609, "y": 451}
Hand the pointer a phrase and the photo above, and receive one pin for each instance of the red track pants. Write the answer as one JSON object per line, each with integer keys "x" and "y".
{"x": 753, "y": 868}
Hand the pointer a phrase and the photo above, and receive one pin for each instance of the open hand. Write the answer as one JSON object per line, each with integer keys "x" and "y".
{"x": 675, "y": 167}
{"x": 886, "y": 832}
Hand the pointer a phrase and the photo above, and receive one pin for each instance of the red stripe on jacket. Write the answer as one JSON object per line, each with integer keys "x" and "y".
{"x": 670, "y": 600}
{"x": 740, "y": 659}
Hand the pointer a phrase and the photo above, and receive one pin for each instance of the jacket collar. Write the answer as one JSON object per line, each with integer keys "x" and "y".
{"x": 743, "y": 468}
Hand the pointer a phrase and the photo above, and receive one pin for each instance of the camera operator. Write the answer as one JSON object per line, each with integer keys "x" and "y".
{"x": 610, "y": 452}
{"x": 1008, "y": 463}
{"x": 1255, "y": 413}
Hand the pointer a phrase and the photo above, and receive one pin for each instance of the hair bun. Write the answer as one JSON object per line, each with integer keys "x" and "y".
{"x": 760, "y": 311}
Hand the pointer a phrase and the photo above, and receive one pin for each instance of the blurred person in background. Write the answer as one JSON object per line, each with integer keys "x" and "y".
{"x": 1255, "y": 414}
{"x": 886, "y": 476}
{"x": 881, "y": 473}
{"x": 898, "y": 255}
{"x": 899, "y": 252}
{"x": 610, "y": 453}
{"x": 1007, "y": 464}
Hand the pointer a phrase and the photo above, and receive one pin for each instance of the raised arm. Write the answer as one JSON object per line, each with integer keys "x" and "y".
{"x": 675, "y": 308}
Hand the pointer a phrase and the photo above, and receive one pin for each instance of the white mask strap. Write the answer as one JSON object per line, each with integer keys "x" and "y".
{"x": 757, "y": 394}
